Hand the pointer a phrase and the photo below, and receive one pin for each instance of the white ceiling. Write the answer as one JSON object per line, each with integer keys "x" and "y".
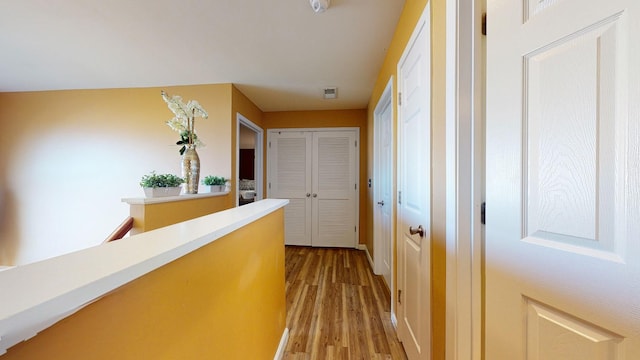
{"x": 278, "y": 52}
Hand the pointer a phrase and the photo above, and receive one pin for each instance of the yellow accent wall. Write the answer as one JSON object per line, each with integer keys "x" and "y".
{"x": 68, "y": 157}
{"x": 410, "y": 15}
{"x": 156, "y": 215}
{"x": 326, "y": 119}
{"x": 225, "y": 300}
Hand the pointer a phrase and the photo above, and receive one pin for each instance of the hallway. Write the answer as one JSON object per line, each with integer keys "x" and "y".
{"x": 336, "y": 307}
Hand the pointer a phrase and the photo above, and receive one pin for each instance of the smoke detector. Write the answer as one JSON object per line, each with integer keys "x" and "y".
{"x": 330, "y": 93}
{"x": 319, "y": 6}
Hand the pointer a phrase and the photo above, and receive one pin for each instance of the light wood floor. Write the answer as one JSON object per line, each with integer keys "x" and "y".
{"x": 336, "y": 307}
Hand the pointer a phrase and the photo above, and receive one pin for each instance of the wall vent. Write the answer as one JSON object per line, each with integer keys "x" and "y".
{"x": 331, "y": 93}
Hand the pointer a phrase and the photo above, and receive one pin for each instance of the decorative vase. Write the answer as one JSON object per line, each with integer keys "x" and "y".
{"x": 191, "y": 169}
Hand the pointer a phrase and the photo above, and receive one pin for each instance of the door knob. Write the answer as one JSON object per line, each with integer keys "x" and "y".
{"x": 381, "y": 202}
{"x": 419, "y": 230}
{"x": 315, "y": 195}
{"x": 308, "y": 194}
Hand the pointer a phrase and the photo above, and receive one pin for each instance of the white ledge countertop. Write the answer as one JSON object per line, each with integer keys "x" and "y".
{"x": 164, "y": 199}
{"x": 37, "y": 295}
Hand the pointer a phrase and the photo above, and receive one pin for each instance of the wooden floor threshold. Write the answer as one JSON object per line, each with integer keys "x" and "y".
{"x": 336, "y": 307}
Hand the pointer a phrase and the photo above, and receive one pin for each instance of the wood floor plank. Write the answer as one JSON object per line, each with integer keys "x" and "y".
{"x": 336, "y": 307}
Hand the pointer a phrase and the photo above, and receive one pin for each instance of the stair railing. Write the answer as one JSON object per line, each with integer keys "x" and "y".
{"x": 120, "y": 231}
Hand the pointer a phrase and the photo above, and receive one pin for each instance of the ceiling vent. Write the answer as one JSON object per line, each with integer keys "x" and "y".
{"x": 319, "y": 6}
{"x": 331, "y": 93}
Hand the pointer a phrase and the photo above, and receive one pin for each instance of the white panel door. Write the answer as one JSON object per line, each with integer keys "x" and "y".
{"x": 414, "y": 201}
{"x": 562, "y": 244}
{"x": 383, "y": 187}
{"x": 334, "y": 190}
{"x": 290, "y": 156}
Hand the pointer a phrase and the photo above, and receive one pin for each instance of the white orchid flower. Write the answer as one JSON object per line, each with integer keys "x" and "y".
{"x": 177, "y": 124}
{"x": 184, "y": 120}
{"x": 193, "y": 107}
{"x": 184, "y": 111}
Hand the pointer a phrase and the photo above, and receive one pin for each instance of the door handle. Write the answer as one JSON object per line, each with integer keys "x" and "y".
{"x": 381, "y": 202}
{"x": 419, "y": 230}
{"x": 315, "y": 195}
{"x": 308, "y": 194}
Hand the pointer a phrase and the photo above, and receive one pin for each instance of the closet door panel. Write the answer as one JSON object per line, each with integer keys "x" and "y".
{"x": 291, "y": 164}
{"x": 290, "y": 172}
{"x": 333, "y": 224}
{"x": 297, "y": 229}
{"x": 334, "y": 189}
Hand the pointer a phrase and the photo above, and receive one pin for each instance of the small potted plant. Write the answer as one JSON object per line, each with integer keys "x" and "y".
{"x": 214, "y": 183}
{"x": 158, "y": 185}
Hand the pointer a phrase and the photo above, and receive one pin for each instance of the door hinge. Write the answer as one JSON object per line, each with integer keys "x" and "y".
{"x": 399, "y": 197}
{"x": 483, "y": 213}
{"x": 269, "y": 144}
{"x": 484, "y": 24}
{"x": 355, "y": 229}
{"x": 399, "y": 99}
{"x": 269, "y": 186}
{"x": 399, "y": 296}
{"x": 356, "y": 143}
{"x": 355, "y": 186}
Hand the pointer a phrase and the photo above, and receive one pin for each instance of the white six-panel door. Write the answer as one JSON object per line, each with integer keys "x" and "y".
{"x": 414, "y": 190}
{"x": 562, "y": 168}
{"x": 383, "y": 187}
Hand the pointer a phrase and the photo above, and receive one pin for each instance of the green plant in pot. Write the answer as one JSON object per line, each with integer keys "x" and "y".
{"x": 215, "y": 183}
{"x": 158, "y": 185}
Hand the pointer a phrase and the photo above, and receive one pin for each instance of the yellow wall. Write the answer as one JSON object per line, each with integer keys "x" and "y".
{"x": 330, "y": 118}
{"x": 410, "y": 15}
{"x": 223, "y": 301}
{"x": 438, "y": 178}
{"x": 68, "y": 157}
{"x": 156, "y": 215}
{"x": 316, "y": 119}
{"x": 244, "y": 106}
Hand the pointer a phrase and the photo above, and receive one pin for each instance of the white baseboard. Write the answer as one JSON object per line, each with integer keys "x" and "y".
{"x": 283, "y": 344}
{"x": 394, "y": 320}
{"x": 366, "y": 249}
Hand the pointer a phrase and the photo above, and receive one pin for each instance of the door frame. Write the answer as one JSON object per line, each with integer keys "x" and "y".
{"x": 258, "y": 157}
{"x": 386, "y": 99}
{"x": 465, "y": 84}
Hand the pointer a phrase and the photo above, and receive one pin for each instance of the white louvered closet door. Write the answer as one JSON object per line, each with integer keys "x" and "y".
{"x": 334, "y": 189}
{"x": 317, "y": 172}
{"x": 290, "y": 163}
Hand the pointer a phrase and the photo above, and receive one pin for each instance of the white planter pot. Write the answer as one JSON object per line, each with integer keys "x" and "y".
{"x": 162, "y": 191}
{"x": 213, "y": 188}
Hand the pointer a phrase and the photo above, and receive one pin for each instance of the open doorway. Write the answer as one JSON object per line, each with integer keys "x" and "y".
{"x": 248, "y": 161}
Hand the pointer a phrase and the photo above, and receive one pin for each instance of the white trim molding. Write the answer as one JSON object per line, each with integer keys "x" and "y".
{"x": 364, "y": 248}
{"x": 464, "y": 178}
{"x": 258, "y": 176}
{"x": 282, "y": 345}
